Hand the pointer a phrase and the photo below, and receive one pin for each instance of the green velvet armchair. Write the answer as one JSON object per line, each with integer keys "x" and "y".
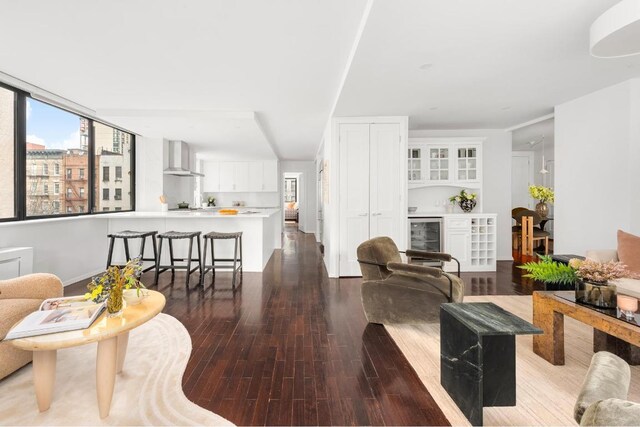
{"x": 394, "y": 292}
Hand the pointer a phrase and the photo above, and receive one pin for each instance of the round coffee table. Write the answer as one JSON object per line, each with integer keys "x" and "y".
{"x": 112, "y": 335}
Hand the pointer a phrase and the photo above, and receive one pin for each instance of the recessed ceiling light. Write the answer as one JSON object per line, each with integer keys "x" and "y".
{"x": 425, "y": 66}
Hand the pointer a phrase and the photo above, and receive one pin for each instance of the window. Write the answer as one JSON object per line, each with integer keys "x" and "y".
{"x": 53, "y": 137}
{"x": 105, "y": 209}
{"x": 118, "y": 208}
{"x": 44, "y": 160}
{"x": 7, "y": 148}
{"x": 113, "y": 155}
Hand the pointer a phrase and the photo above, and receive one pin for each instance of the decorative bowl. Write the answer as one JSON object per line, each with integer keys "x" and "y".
{"x": 133, "y": 297}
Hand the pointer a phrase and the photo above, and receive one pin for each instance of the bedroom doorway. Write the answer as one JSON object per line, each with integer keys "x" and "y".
{"x": 292, "y": 198}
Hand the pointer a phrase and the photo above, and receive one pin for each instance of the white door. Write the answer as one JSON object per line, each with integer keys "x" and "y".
{"x": 270, "y": 175}
{"x": 521, "y": 178}
{"x": 241, "y": 176}
{"x": 227, "y": 176}
{"x": 211, "y": 179}
{"x": 384, "y": 179}
{"x": 255, "y": 176}
{"x": 458, "y": 245}
{"x": 354, "y": 194}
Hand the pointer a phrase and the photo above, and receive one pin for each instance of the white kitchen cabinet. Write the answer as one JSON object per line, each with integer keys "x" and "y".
{"x": 256, "y": 170}
{"x": 211, "y": 178}
{"x": 270, "y": 175}
{"x": 471, "y": 238}
{"x": 445, "y": 161}
{"x": 227, "y": 176}
{"x": 371, "y": 169}
{"x": 241, "y": 176}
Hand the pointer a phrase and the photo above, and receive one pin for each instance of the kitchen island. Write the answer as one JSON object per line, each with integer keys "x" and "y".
{"x": 261, "y": 232}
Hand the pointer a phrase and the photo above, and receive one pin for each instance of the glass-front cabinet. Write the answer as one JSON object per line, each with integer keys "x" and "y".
{"x": 445, "y": 161}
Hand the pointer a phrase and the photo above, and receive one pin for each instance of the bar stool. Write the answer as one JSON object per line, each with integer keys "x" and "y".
{"x": 128, "y": 234}
{"x": 170, "y": 236}
{"x": 236, "y": 260}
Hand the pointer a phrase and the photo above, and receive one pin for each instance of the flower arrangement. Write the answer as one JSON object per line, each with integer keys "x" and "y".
{"x": 599, "y": 272}
{"x": 542, "y": 193}
{"x": 111, "y": 284}
{"x": 463, "y": 196}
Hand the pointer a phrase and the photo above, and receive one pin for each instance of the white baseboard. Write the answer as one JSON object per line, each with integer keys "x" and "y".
{"x": 73, "y": 280}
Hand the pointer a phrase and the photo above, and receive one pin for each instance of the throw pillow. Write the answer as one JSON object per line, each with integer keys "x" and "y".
{"x": 629, "y": 251}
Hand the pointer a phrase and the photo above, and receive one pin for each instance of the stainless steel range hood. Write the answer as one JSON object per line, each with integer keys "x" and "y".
{"x": 179, "y": 160}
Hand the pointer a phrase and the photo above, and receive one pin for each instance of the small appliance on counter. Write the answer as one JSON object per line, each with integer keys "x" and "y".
{"x": 183, "y": 205}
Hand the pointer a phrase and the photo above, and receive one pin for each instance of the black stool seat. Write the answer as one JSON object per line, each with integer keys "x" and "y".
{"x": 170, "y": 236}
{"x": 218, "y": 235}
{"x": 179, "y": 234}
{"x": 234, "y": 264}
{"x": 128, "y": 234}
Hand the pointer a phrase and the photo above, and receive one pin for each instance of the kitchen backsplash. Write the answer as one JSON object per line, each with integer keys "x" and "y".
{"x": 256, "y": 200}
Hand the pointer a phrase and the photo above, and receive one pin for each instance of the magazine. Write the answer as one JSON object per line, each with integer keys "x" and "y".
{"x": 58, "y": 315}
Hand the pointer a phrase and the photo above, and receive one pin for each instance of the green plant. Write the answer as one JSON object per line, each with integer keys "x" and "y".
{"x": 114, "y": 280}
{"x": 463, "y": 196}
{"x": 549, "y": 271}
{"x": 542, "y": 193}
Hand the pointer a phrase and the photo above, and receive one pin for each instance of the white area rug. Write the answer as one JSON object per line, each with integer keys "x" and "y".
{"x": 147, "y": 392}
{"x": 545, "y": 393}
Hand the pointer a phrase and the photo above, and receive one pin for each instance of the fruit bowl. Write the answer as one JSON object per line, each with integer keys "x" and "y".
{"x": 228, "y": 212}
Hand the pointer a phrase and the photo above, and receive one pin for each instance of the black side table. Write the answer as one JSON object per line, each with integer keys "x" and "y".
{"x": 478, "y": 355}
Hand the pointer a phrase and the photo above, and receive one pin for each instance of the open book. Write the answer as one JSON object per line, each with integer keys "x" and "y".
{"x": 58, "y": 315}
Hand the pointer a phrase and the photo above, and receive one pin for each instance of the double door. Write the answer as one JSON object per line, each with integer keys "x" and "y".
{"x": 370, "y": 188}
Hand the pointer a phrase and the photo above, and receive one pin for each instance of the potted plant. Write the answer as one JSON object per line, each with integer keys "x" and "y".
{"x": 594, "y": 288}
{"x": 112, "y": 283}
{"x": 466, "y": 201}
{"x": 554, "y": 275}
{"x": 544, "y": 195}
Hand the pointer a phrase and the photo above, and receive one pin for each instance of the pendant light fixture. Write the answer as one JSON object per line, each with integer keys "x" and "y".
{"x": 616, "y": 33}
{"x": 544, "y": 170}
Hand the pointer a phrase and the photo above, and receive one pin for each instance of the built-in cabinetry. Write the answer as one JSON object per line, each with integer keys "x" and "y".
{"x": 444, "y": 161}
{"x": 235, "y": 176}
{"x": 472, "y": 239}
{"x": 371, "y": 185}
{"x": 15, "y": 262}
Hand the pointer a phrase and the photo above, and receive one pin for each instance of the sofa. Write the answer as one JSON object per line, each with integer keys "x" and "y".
{"x": 629, "y": 253}
{"x": 18, "y": 298}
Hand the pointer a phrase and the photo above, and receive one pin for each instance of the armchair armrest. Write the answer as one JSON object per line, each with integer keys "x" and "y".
{"x": 413, "y": 269}
{"x": 612, "y": 412}
{"x": 440, "y": 256}
{"x": 32, "y": 286}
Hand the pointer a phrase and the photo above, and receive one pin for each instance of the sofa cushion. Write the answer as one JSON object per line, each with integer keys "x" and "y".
{"x": 14, "y": 310}
{"x": 629, "y": 251}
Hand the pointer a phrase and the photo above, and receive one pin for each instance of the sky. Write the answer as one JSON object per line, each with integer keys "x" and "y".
{"x": 51, "y": 126}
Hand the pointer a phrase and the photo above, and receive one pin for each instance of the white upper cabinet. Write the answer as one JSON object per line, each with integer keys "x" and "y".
{"x": 232, "y": 176}
{"x": 445, "y": 161}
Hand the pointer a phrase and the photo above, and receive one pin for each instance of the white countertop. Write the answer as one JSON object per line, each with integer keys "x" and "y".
{"x": 422, "y": 214}
{"x": 187, "y": 214}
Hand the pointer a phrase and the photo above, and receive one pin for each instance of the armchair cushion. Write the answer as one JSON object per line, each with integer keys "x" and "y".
{"x": 380, "y": 251}
{"x": 441, "y": 256}
{"x": 32, "y": 286}
{"x": 612, "y": 412}
{"x": 414, "y": 269}
{"x": 629, "y": 251}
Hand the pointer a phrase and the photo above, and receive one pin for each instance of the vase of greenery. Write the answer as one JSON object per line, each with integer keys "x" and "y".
{"x": 544, "y": 195}
{"x": 552, "y": 274}
{"x": 111, "y": 284}
{"x": 466, "y": 201}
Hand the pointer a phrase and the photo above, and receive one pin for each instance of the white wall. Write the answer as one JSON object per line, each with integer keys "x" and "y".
{"x": 71, "y": 248}
{"x": 597, "y": 153}
{"x": 496, "y": 173}
{"x": 308, "y": 192}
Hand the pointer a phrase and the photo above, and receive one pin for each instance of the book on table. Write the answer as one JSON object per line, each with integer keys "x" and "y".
{"x": 58, "y": 315}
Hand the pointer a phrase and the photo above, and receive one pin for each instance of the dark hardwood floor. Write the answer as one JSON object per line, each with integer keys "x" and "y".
{"x": 292, "y": 347}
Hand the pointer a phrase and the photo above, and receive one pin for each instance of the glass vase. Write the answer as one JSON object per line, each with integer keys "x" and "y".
{"x": 542, "y": 209}
{"x": 114, "y": 302}
{"x": 601, "y": 295}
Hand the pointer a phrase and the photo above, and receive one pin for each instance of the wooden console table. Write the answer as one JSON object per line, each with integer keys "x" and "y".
{"x": 548, "y": 314}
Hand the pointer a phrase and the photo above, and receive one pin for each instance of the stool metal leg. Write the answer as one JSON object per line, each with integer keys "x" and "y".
{"x": 204, "y": 263}
{"x": 173, "y": 271}
{"x": 144, "y": 240}
{"x": 189, "y": 261}
{"x": 241, "y": 262}
{"x": 110, "y": 251}
{"x": 199, "y": 256}
{"x": 126, "y": 249}
{"x": 155, "y": 282}
{"x": 213, "y": 260}
{"x": 155, "y": 252}
{"x": 235, "y": 259}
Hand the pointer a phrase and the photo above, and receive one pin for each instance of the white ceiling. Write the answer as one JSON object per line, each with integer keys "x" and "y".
{"x": 494, "y": 63}
{"x": 522, "y": 137}
{"x": 261, "y": 77}
{"x": 282, "y": 59}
